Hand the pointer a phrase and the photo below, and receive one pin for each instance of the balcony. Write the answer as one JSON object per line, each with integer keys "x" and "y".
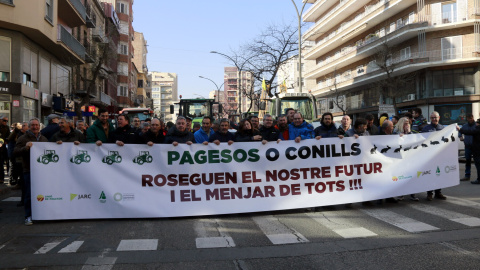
{"x": 399, "y": 65}
{"x": 90, "y": 52}
{"x": 320, "y": 7}
{"x": 99, "y": 35}
{"x": 69, "y": 42}
{"x": 72, "y": 12}
{"x": 91, "y": 17}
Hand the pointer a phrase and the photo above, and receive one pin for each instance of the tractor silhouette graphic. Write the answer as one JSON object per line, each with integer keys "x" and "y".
{"x": 113, "y": 157}
{"x": 81, "y": 156}
{"x": 143, "y": 156}
{"x": 47, "y": 157}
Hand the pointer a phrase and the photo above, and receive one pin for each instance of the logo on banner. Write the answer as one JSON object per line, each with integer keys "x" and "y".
{"x": 47, "y": 157}
{"x": 143, "y": 156}
{"x": 401, "y": 177}
{"x": 123, "y": 196}
{"x": 112, "y": 157}
{"x": 40, "y": 198}
{"x": 448, "y": 169}
{"x": 80, "y": 197}
{"x": 103, "y": 198}
{"x": 423, "y": 173}
{"x": 438, "y": 171}
{"x": 80, "y": 157}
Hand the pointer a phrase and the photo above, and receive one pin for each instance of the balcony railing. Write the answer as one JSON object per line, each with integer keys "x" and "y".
{"x": 91, "y": 18}
{"x": 66, "y": 38}
{"x": 77, "y": 4}
{"x": 99, "y": 35}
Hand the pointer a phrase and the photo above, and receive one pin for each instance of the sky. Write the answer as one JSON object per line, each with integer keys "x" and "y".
{"x": 181, "y": 34}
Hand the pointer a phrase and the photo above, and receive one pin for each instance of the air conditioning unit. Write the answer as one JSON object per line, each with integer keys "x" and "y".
{"x": 410, "y": 97}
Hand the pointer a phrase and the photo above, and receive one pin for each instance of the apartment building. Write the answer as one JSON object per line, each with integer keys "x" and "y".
{"x": 288, "y": 75}
{"x": 37, "y": 52}
{"x": 144, "y": 98}
{"x": 164, "y": 93}
{"x": 232, "y": 90}
{"x": 408, "y": 53}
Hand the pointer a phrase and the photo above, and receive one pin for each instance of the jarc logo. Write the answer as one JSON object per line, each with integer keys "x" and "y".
{"x": 419, "y": 173}
{"x": 103, "y": 198}
{"x": 80, "y": 197}
{"x": 40, "y": 198}
{"x": 450, "y": 168}
{"x": 47, "y": 157}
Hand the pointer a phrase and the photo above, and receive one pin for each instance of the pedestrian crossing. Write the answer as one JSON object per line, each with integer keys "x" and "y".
{"x": 295, "y": 227}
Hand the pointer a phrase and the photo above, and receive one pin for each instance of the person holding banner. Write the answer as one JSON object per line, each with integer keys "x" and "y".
{"x": 282, "y": 126}
{"x": 22, "y": 149}
{"x": 246, "y": 132}
{"x": 268, "y": 131}
{"x": 124, "y": 133}
{"x": 99, "y": 131}
{"x": 205, "y": 132}
{"x": 179, "y": 133}
{"x": 432, "y": 127}
{"x": 67, "y": 133}
{"x": 154, "y": 134}
{"x": 359, "y": 129}
{"x": 300, "y": 129}
{"x": 223, "y": 135}
{"x": 327, "y": 128}
{"x": 346, "y": 122}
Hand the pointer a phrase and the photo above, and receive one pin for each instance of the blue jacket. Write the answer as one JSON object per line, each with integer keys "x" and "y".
{"x": 431, "y": 128}
{"x": 305, "y": 131}
{"x": 201, "y": 136}
{"x": 326, "y": 131}
{"x": 467, "y": 139}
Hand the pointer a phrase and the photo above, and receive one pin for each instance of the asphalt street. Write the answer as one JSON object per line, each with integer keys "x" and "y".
{"x": 406, "y": 235}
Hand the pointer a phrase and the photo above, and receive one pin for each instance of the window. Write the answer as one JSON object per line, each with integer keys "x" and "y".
{"x": 155, "y": 95}
{"x": 4, "y": 76}
{"x": 449, "y": 12}
{"x": 360, "y": 70}
{"x": 392, "y": 27}
{"x": 7, "y": 2}
{"x": 140, "y": 84}
{"x": 405, "y": 53}
{"x": 156, "y": 89}
{"x": 49, "y": 10}
{"x": 122, "y": 8}
{"x": 451, "y": 47}
{"x": 123, "y": 49}
{"x": 122, "y": 91}
{"x": 347, "y": 74}
{"x": 29, "y": 107}
{"x": 411, "y": 17}
{"x": 399, "y": 23}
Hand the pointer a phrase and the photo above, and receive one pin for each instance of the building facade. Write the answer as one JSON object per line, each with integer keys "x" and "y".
{"x": 164, "y": 93}
{"x": 234, "y": 99}
{"x": 144, "y": 98}
{"x": 406, "y": 53}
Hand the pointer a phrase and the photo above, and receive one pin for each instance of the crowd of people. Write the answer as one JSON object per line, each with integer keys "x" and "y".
{"x": 290, "y": 126}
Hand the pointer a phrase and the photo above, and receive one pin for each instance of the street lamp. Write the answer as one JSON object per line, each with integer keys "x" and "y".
{"x": 218, "y": 87}
{"x": 239, "y": 68}
{"x": 299, "y": 15}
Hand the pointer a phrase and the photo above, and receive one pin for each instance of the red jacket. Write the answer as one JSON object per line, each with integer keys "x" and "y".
{"x": 283, "y": 134}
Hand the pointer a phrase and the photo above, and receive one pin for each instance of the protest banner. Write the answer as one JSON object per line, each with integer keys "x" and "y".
{"x": 139, "y": 181}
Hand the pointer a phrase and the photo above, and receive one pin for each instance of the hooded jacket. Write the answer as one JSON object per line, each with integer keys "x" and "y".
{"x": 96, "y": 132}
{"x": 305, "y": 131}
{"x": 201, "y": 136}
{"x": 326, "y": 131}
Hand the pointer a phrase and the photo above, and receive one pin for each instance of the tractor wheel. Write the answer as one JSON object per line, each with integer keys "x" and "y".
{"x": 149, "y": 159}
{"x": 78, "y": 160}
{"x": 87, "y": 158}
{"x": 109, "y": 161}
{"x": 119, "y": 159}
{"x": 140, "y": 161}
{"x": 44, "y": 160}
{"x": 55, "y": 158}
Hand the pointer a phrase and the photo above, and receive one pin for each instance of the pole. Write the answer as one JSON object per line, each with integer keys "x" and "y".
{"x": 299, "y": 16}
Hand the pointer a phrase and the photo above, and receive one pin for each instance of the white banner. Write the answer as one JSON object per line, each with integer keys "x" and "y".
{"x": 138, "y": 181}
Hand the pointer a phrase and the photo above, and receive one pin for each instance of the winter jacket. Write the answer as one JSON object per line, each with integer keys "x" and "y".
{"x": 305, "y": 131}
{"x": 72, "y": 136}
{"x": 475, "y": 133}
{"x": 49, "y": 130}
{"x": 222, "y": 137}
{"x": 21, "y": 150}
{"x": 373, "y": 130}
{"x": 12, "y": 140}
{"x": 125, "y": 134}
{"x": 341, "y": 131}
{"x": 326, "y": 131}
{"x": 431, "y": 128}
{"x": 149, "y": 136}
{"x": 283, "y": 134}
{"x": 174, "y": 135}
{"x": 418, "y": 124}
{"x": 468, "y": 139}
{"x": 96, "y": 132}
{"x": 201, "y": 136}
{"x": 351, "y": 133}
{"x": 246, "y": 135}
{"x": 269, "y": 134}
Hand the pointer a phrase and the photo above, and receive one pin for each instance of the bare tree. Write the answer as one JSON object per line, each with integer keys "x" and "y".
{"x": 338, "y": 99}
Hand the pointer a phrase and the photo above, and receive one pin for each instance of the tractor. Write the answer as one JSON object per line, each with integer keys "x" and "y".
{"x": 48, "y": 156}
{"x": 113, "y": 157}
{"x": 81, "y": 156}
{"x": 143, "y": 156}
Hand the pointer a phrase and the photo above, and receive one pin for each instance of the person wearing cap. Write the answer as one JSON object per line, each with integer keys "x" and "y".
{"x": 52, "y": 126}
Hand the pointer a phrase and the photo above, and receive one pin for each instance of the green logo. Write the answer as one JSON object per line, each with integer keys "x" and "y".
{"x": 112, "y": 157}
{"x": 47, "y": 157}
{"x": 437, "y": 171}
{"x": 103, "y": 198}
{"x": 143, "y": 156}
{"x": 81, "y": 156}
{"x": 72, "y": 196}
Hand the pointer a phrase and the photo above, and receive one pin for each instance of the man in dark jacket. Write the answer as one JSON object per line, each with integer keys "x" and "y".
{"x": 124, "y": 134}
{"x": 345, "y": 125}
{"x": 268, "y": 131}
{"x": 155, "y": 134}
{"x": 52, "y": 126}
{"x": 101, "y": 128}
{"x": 432, "y": 127}
{"x": 223, "y": 135}
{"x": 359, "y": 129}
{"x": 475, "y": 148}
{"x": 327, "y": 128}
{"x": 179, "y": 133}
{"x": 468, "y": 141}
{"x": 371, "y": 128}
{"x": 22, "y": 149}
{"x": 418, "y": 121}
{"x": 67, "y": 133}
{"x": 4, "y": 133}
